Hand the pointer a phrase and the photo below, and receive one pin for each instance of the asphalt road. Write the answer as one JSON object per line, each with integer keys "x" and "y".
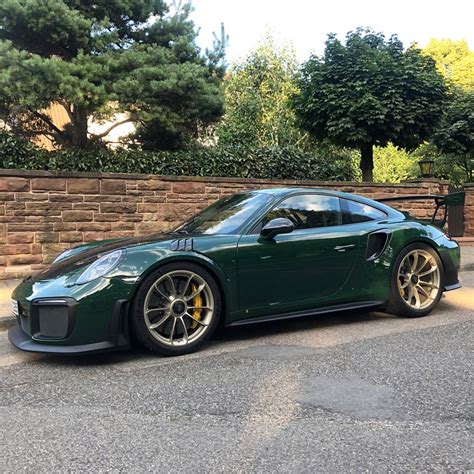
{"x": 344, "y": 392}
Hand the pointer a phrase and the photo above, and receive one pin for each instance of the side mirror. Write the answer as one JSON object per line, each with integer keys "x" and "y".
{"x": 280, "y": 225}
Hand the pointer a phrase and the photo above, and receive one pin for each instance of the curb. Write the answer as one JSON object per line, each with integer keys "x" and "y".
{"x": 469, "y": 267}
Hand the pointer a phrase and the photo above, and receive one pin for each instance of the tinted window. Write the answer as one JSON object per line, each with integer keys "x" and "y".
{"x": 358, "y": 212}
{"x": 307, "y": 211}
{"x": 227, "y": 215}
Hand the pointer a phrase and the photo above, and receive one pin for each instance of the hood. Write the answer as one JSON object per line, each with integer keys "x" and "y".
{"x": 91, "y": 251}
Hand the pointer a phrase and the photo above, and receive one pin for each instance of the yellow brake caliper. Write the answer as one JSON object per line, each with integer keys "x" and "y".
{"x": 197, "y": 302}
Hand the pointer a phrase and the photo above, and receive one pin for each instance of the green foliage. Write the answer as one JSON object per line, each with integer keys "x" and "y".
{"x": 328, "y": 163}
{"x": 393, "y": 165}
{"x": 257, "y": 99}
{"x": 370, "y": 91}
{"x": 454, "y": 138}
{"x": 454, "y": 60}
{"x": 98, "y": 58}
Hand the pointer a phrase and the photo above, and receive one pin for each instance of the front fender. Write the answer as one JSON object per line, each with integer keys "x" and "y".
{"x": 139, "y": 263}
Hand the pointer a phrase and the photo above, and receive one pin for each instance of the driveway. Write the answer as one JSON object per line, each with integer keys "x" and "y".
{"x": 344, "y": 392}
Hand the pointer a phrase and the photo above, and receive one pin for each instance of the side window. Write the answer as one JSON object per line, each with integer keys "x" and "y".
{"x": 355, "y": 212}
{"x": 307, "y": 211}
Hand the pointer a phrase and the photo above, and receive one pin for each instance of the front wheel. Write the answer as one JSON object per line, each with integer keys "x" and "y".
{"x": 176, "y": 309}
{"x": 417, "y": 281}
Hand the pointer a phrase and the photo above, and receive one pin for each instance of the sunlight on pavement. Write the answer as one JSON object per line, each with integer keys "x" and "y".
{"x": 462, "y": 298}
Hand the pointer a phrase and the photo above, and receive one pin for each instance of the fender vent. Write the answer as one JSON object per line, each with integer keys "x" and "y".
{"x": 376, "y": 244}
{"x": 182, "y": 244}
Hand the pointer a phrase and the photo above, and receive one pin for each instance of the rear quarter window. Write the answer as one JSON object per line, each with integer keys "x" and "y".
{"x": 355, "y": 212}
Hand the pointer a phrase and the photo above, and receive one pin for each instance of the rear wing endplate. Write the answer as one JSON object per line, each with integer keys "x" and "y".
{"x": 442, "y": 202}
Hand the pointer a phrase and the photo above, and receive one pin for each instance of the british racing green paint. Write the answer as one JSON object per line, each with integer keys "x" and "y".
{"x": 257, "y": 277}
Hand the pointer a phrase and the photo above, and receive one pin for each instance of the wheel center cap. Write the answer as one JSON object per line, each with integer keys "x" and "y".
{"x": 178, "y": 307}
{"x": 414, "y": 279}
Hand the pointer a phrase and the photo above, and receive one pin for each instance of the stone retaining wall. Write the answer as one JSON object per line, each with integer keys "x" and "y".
{"x": 43, "y": 213}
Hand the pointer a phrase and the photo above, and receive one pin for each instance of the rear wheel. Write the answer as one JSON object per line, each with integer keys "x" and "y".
{"x": 417, "y": 281}
{"x": 176, "y": 309}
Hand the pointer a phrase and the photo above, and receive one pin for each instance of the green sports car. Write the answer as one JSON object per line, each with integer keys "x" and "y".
{"x": 250, "y": 257}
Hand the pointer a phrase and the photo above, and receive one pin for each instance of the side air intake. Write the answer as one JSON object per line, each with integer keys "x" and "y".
{"x": 376, "y": 244}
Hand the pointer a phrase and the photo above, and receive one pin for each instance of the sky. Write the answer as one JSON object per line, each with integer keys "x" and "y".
{"x": 306, "y": 23}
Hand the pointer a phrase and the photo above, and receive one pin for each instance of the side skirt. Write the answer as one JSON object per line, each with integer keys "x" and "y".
{"x": 308, "y": 312}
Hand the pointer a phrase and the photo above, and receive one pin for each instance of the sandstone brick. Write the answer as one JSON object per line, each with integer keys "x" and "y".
{"x": 27, "y": 227}
{"x": 113, "y": 186}
{"x": 86, "y": 206}
{"x": 24, "y": 259}
{"x": 36, "y": 249}
{"x": 77, "y": 216}
{"x": 83, "y": 186}
{"x": 147, "y": 207}
{"x": 108, "y": 217}
{"x": 49, "y": 206}
{"x": 156, "y": 198}
{"x": 38, "y": 212}
{"x": 90, "y": 236}
{"x": 66, "y": 198}
{"x": 50, "y": 237}
{"x": 7, "y": 197}
{"x": 140, "y": 192}
{"x": 189, "y": 187}
{"x": 21, "y": 238}
{"x": 9, "y": 183}
{"x": 48, "y": 184}
{"x": 132, "y": 217}
{"x": 123, "y": 207}
{"x": 118, "y": 234}
{"x": 153, "y": 185}
{"x": 14, "y": 249}
{"x": 61, "y": 226}
{"x": 41, "y": 220}
{"x": 146, "y": 228}
{"x": 122, "y": 226}
{"x": 70, "y": 236}
{"x": 93, "y": 226}
{"x": 132, "y": 199}
{"x": 102, "y": 198}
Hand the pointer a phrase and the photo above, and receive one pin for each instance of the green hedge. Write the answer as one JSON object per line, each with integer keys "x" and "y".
{"x": 326, "y": 163}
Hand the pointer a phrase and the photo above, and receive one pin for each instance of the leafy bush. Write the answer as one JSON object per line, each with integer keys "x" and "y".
{"x": 326, "y": 163}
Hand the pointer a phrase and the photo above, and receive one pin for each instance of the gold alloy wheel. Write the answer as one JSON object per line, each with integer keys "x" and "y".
{"x": 419, "y": 279}
{"x": 178, "y": 308}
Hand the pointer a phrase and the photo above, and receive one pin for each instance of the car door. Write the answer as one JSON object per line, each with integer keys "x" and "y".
{"x": 300, "y": 268}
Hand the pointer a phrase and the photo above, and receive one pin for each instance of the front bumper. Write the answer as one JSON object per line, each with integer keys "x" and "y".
{"x": 85, "y": 319}
{"x": 23, "y": 341}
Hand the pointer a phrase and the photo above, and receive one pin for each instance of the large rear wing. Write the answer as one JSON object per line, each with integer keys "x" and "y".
{"x": 442, "y": 202}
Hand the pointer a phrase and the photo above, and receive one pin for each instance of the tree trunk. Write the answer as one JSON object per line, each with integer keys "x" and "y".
{"x": 79, "y": 127}
{"x": 367, "y": 162}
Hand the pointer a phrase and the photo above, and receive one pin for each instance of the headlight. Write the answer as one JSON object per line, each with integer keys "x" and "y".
{"x": 101, "y": 266}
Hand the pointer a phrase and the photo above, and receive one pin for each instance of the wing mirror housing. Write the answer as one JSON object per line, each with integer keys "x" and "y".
{"x": 279, "y": 225}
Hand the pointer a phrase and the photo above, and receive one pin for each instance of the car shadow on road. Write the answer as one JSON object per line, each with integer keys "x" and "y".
{"x": 223, "y": 336}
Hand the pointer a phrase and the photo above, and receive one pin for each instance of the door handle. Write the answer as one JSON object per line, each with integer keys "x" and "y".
{"x": 343, "y": 248}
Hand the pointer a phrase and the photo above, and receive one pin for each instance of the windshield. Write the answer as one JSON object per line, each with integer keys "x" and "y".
{"x": 225, "y": 216}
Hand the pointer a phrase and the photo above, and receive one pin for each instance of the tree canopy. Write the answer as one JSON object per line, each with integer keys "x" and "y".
{"x": 368, "y": 92}
{"x": 454, "y": 60}
{"x": 258, "y": 92}
{"x": 455, "y": 138}
{"x": 99, "y": 57}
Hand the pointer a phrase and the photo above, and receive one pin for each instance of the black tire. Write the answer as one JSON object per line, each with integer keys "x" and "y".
{"x": 397, "y": 304}
{"x": 144, "y": 336}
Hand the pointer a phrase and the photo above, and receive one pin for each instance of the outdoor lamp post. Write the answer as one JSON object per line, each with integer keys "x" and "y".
{"x": 426, "y": 168}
